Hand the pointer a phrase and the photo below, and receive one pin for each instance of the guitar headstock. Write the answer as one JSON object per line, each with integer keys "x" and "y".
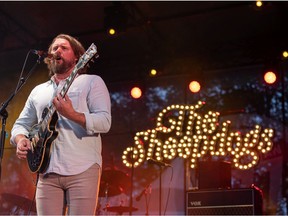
{"x": 89, "y": 55}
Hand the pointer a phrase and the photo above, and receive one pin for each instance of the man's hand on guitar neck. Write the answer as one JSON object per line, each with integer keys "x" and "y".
{"x": 23, "y": 145}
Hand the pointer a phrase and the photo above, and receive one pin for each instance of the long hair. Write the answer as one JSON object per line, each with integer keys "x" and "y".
{"x": 76, "y": 46}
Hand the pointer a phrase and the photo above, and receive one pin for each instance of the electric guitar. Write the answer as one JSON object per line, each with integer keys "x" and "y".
{"x": 44, "y": 133}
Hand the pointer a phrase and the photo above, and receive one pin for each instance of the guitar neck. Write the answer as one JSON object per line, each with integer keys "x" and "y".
{"x": 68, "y": 82}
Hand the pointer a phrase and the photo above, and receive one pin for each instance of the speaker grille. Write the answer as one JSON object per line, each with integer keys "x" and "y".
{"x": 216, "y": 210}
{"x": 246, "y": 201}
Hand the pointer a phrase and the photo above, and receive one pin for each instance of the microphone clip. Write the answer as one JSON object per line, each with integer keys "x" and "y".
{"x": 158, "y": 163}
{"x": 145, "y": 191}
{"x": 41, "y": 54}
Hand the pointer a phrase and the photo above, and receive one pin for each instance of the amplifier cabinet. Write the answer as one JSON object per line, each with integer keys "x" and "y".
{"x": 219, "y": 171}
{"x": 246, "y": 201}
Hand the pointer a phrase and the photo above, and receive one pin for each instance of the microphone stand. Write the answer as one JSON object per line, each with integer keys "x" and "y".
{"x": 160, "y": 189}
{"x": 144, "y": 192}
{"x": 4, "y": 113}
{"x": 131, "y": 183}
{"x": 159, "y": 164}
{"x": 148, "y": 190}
{"x": 160, "y": 186}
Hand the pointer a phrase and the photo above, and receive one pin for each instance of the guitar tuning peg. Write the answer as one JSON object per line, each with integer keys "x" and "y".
{"x": 88, "y": 66}
{"x": 92, "y": 60}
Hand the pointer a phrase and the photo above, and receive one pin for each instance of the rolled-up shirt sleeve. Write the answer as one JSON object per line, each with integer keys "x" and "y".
{"x": 98, "y": 119}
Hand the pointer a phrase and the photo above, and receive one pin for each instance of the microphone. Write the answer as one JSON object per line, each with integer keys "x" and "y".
{"x": 159, "y": 163}
{"x": 42, "y": 54}
{"x": 141, "y": 194}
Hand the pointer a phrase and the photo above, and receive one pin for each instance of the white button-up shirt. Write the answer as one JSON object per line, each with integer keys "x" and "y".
{"x": 75, "y": 149}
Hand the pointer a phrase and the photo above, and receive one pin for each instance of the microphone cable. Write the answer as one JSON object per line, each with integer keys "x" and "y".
{"x": 22, "y": 79}
{"x": 169, "y": 189}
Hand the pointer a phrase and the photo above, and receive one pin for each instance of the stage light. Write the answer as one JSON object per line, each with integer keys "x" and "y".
{"x": 153, "y": 72}
{"x": 111, "y": 31}
{"x": 270, "y": 77}
{"x": 194, "y": 86}
{"x": 285, "y": 54}
{"x": 115, "y": 20}
{"x": 259, "y": 3}
{"x": 136, "y": 92}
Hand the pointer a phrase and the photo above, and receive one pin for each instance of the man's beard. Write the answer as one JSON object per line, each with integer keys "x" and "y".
{"x": 61, "y": 68}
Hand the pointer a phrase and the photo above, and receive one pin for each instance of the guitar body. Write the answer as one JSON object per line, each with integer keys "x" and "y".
{"x": 41, "y": 140}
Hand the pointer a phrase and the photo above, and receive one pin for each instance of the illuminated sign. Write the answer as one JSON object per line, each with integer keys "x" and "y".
{"x": 181, "y": 131}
